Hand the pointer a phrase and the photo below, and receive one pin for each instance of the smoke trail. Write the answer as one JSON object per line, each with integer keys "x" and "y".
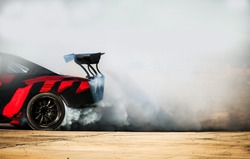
{"x": 170, "y": 66}
{"x": 127, "y": 108}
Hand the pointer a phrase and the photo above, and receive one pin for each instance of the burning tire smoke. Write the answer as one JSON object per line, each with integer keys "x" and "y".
{"x": 169, "y": 65}
{"x": 127, "y": 108}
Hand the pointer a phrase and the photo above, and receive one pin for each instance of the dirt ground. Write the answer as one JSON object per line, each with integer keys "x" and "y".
{"x": 25, "y": 144}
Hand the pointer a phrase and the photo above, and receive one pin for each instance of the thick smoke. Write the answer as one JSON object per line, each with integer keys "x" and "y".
{"x": 126, "y": 107}
{"x": 169, "y": 65}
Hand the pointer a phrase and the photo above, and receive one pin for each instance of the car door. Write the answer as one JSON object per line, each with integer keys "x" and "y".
{"x": 12, "y": 74}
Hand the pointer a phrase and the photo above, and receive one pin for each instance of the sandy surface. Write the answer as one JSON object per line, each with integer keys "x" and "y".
{"x": 25, "y": 144}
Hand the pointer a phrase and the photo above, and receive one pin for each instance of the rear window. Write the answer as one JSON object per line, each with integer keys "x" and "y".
{"x": 11, "y": 64}
{"x": 13, "y": 67}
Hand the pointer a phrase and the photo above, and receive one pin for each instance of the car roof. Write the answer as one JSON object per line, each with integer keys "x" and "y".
{"x": 34, "y": 68}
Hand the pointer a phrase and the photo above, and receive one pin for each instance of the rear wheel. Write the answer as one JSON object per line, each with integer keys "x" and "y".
{"x": 45, "y": 111}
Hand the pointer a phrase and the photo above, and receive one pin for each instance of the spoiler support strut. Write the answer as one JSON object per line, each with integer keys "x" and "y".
{"x": 88, "y": 59}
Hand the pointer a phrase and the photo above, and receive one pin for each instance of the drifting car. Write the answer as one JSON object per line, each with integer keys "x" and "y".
{"x": 35, "y": 96}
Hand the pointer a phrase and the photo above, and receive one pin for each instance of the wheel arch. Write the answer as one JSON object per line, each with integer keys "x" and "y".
{"x": 31, "y": 109}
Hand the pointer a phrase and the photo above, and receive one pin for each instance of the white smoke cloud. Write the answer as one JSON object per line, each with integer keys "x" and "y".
{"x": 84, "y": 117}
{"x": 169, "y": 65}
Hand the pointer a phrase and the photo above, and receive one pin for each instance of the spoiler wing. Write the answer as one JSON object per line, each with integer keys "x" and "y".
{"x": 88, "y": 59}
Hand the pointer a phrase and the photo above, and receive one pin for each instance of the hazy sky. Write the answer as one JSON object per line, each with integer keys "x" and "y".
{"x": 148, "y": 31}
{"x": 158, "y": 47}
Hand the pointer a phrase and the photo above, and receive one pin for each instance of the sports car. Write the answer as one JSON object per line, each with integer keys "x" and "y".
{"x": 33, "y": 96}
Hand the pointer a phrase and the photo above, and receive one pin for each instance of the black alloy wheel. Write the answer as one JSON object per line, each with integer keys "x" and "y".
{"x": 45, "y": 111}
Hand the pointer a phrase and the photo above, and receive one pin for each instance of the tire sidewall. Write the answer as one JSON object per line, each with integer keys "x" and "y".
{"x": 30, "y": 105}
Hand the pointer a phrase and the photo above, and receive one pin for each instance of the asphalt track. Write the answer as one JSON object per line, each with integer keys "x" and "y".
{"x": 27, "y": 144}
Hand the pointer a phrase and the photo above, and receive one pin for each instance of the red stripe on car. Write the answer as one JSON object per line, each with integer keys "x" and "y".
{"x": 16, "y": 121}
{"x": 44, "y": 78}
{"x": 6, "y": 78}
{"x": 16, "y": 101}
{"x": 64, "y": 85}
{"x": 47, "y": 86}
{"x": 82, "y": 87}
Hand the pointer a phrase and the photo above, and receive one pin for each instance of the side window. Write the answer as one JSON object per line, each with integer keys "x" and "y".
{"x": 13, "y": 67}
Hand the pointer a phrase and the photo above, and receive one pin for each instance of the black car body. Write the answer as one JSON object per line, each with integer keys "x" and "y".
{"x": 32, "y": 94}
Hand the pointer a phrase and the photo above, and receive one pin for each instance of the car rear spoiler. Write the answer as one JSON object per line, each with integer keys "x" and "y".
{"x": 88, "y": 59}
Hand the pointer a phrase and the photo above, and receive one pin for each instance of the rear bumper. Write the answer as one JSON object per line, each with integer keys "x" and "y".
{"x": 97, "y": 87}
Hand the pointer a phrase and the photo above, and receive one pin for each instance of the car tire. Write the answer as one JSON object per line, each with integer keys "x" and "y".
{"x": 45, "y": 111}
